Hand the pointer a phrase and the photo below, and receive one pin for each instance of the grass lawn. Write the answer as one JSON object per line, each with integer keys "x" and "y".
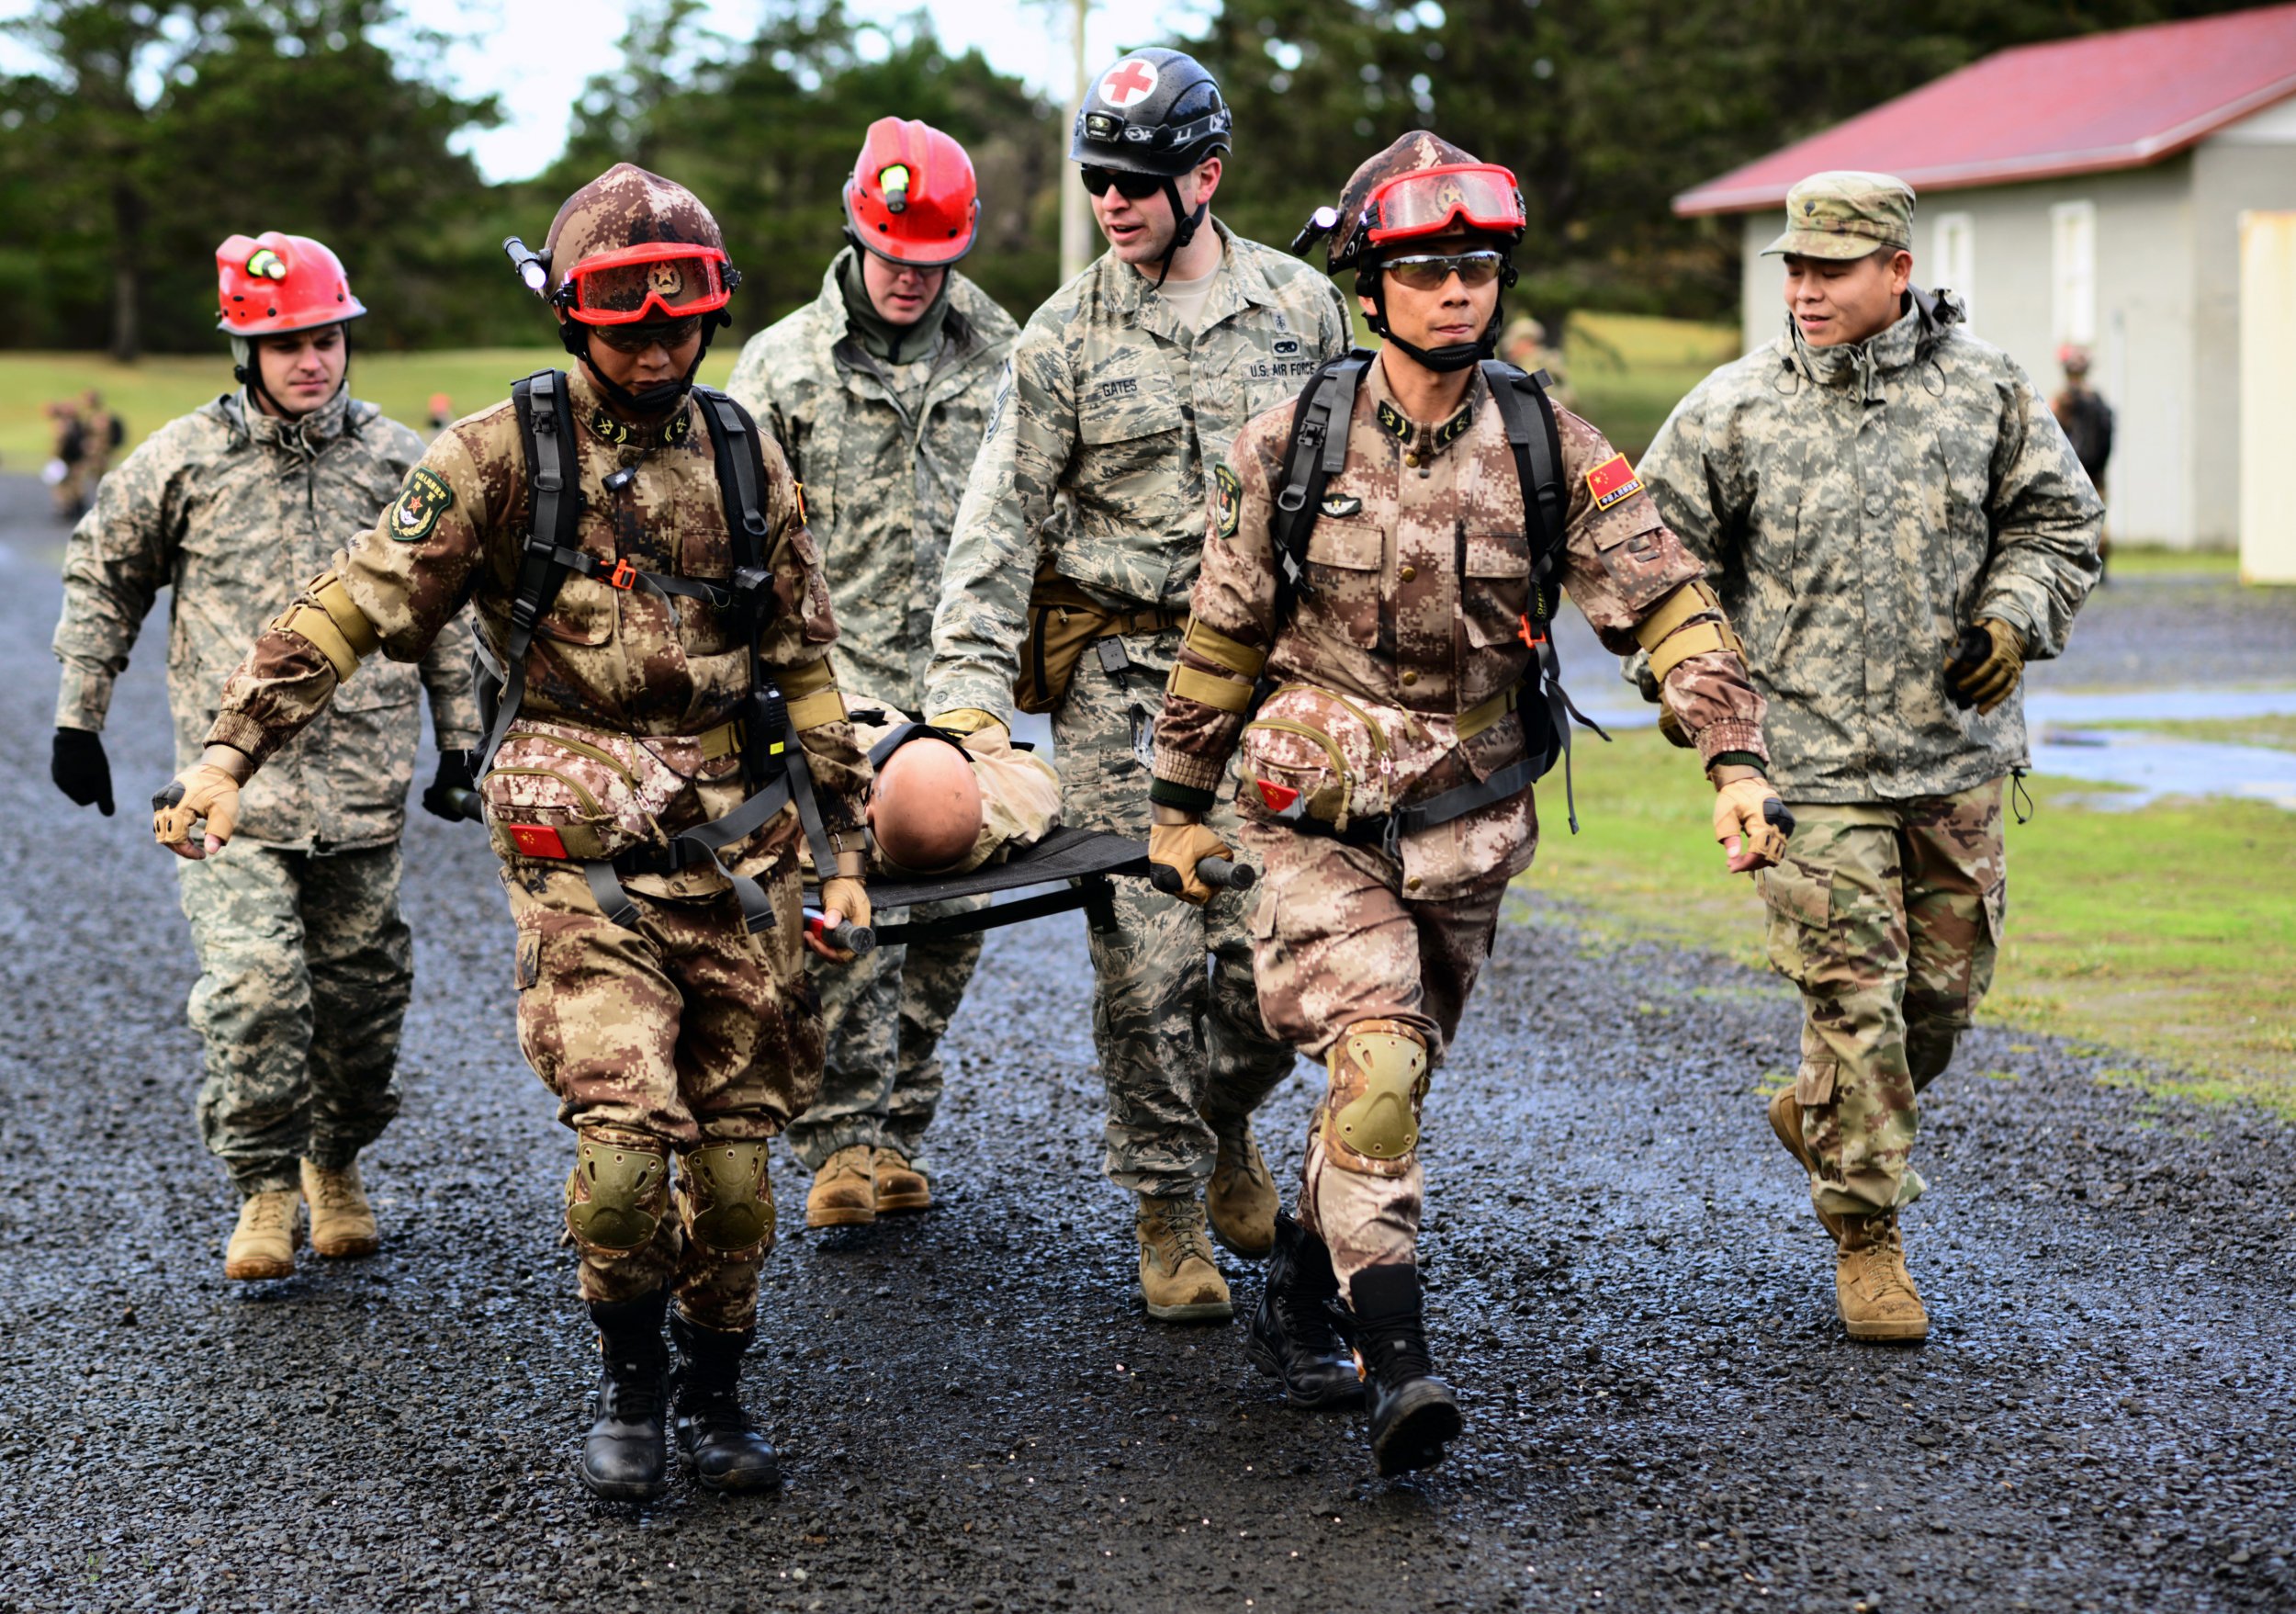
{"x": 2170, "y": 931}
{"x": 2277, "y": 733}
{"x": 1629, "y": 371}
{"x": 2212, "y": 563}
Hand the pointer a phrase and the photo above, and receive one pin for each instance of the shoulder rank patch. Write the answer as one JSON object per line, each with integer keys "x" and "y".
{"x": 1612, "y": 481}
{"x": 1452, "y": 430}
{"x": 1227, "y": 499}
{"x": 1391, "y": 419}
{"x": 1340, "y": 504}
{"x": 425, "y": 498}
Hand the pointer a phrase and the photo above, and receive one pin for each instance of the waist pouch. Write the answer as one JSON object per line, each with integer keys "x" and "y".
{"x": 1312, "y": 759}
{"x": 1063, "y": 620}
{"x": 588, "y": 794}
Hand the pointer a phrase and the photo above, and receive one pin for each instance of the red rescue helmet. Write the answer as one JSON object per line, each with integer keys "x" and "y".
{"x": 274, "y": 284}
{"x": 912, "y": 199}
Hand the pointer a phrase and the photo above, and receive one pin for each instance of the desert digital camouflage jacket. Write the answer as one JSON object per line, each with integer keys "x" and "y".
{"x": 1418, "y": 580}
{"x": 623, "y": 664}
{"x": 1857, "y": 506}
{"x": 234, "y": 510}
{"x": 1108, "y": 398}
{"x": 882, "y": 452}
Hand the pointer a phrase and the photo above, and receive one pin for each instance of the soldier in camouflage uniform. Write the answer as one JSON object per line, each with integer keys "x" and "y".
{"x": 305, "y": 964}
{"x": 878, "y": 392}
{"x": 1376, "y": 793}
{"x": 661, "y": 997}
{"x": 1897, "y": 525}
{"x": 1124, "y": 390}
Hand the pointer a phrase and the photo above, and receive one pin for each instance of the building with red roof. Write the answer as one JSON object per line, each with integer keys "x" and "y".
{"x": 2086, "y": 192}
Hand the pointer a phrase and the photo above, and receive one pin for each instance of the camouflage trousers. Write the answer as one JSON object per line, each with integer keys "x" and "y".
{"x": 685, "y": 1030}
{"x": 305, "y": 969}
{"x": 1887, "y": 916}
{"x": 1335, "y": 943}
{"x": 885, "y": 1014}
{"x": 1174, "y": 1015}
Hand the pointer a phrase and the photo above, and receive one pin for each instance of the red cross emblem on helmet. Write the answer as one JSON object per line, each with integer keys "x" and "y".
{"x": 1129, "y": 81}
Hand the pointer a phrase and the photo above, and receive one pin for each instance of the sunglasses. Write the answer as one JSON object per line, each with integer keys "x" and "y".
{"x": 1133, "y": 187}
{"x": 1430, "y": 271}
{"x": 638, "y": 338}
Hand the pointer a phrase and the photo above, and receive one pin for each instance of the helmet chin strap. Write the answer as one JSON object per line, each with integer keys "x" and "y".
{"x": 1184, "y": 227}
{"x": 1454, "y": 355}
{"x": 247, "y": 370}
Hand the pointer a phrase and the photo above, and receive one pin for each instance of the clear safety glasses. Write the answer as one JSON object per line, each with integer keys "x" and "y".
{"x": 1478, "y": 195}
{"x": 660, "y": 280}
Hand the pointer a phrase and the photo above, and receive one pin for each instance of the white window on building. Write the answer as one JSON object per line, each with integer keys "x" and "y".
{"x": 2072, "y": 272}
{"x": 1954, "y": 258}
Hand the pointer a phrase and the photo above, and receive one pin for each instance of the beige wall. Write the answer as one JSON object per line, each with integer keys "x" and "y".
{"x": 2230, "y": 176}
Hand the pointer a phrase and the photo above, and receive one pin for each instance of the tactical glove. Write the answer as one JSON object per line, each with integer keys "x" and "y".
{"x": 80, "y": 770}
{"x": 1986, "y": 666}
{"x": 200, "y": 791}
{"x": 849, "y": 899}
{"x": 450, "y": 794}
{"x": 1180, "y": 847}
{"x": 966, "y": 720}
{"x": 1751, "y": 823}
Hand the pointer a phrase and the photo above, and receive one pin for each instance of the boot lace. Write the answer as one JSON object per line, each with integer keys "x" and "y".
{"x": 335, "y": 1189}
{"x": 271, "y": 1213}
{"x": 1183, "y": 1223}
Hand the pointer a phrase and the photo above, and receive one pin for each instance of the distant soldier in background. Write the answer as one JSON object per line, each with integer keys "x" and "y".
{"x": 2088, "y": 422}
{"x": 1525, "y": 347}
{"x": 103, "y": 433}
{"x": 67, "y": 448}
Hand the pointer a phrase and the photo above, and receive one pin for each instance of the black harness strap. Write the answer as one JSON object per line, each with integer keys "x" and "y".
{"x": 1318, "y": 453}
{"x": 545, "y": 427}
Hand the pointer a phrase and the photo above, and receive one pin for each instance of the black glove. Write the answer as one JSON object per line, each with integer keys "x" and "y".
{"x": 80, "y": 770}
{"x": 450, "y": 794}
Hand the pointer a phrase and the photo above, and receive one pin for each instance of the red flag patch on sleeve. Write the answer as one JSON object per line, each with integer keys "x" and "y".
{"x": 537, "y": 840}
{"x": 1612, "y": 481}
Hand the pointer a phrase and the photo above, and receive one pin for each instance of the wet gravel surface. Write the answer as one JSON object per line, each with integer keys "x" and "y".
{"x": 1627, "y": 1289}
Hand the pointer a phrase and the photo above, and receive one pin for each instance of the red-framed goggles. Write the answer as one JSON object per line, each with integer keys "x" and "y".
{"x": 1428, "y": 202}
{"x": 655, "y": 280}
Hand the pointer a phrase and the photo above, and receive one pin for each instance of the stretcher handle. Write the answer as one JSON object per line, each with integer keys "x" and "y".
{"x": 468, "y": 804}
{"x": 852, "y": 938}
{"x": 1216, "y": 872}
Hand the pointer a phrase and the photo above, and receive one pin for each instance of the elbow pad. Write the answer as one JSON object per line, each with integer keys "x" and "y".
{"x": 329, "y": 622}
{"x": 1240, "y": 660}
{"x": 813, "y": 695}
{"x": 1675, "y": 631}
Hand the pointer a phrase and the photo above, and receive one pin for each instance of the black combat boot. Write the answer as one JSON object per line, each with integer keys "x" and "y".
{"x": 1413, "y": 1412}
{"x": 626, "y": 1457}
{"x": 717, "y": 1438}
{"x": 1293, "y": 1336}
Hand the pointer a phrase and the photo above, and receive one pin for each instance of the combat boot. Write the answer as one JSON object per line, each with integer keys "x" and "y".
{"x": 342, "y": 1222}
{"x": 1875, "y": 1292}
{"x": 1241, "y": 1200}
{"x": 724, "y": 1447}
{"x": 625, "y": 1457}
{"x": 900, "y": 1185}
{"x": 263, "y": 1245}
{"x": 1178, "y": 1271}
{"x": 1293, "y": 1337}
{"x": 844, "y": 1192}
{"x": 1786, "y": 1119}
{"x": 1413, "y": 1413}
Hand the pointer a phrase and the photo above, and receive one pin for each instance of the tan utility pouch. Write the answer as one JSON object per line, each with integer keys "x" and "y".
{"x": 1313, "y": 754}
{"x": 559, "y": 792}
{"x": 1063, "y": 620}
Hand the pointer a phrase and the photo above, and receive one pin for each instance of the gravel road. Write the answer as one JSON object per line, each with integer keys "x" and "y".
{"x": 1628, "y": 1288}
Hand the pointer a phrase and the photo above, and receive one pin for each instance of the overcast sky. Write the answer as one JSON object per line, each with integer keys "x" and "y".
{"x": 536, "y": 54}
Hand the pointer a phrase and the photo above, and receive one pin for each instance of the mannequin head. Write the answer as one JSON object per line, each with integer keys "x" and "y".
{"x": 926, "y": 807}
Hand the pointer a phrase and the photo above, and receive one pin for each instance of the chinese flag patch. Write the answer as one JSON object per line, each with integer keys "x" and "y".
{"x": 1612, "y": 481}
{"x": 537, "y": 840}
{"x": 1277, "y": 796}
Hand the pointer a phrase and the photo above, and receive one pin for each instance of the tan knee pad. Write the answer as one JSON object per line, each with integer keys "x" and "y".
{"x": 1379, "y": 1077}
{"x": 726, "y": 1198}
{"x": 616, "y": 1197}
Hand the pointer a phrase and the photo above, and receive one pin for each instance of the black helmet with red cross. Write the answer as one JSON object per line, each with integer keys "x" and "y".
{"x": 1155, "y": 111}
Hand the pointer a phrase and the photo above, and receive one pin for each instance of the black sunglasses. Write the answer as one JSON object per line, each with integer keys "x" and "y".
{"x": 1430, "y": 271}
{"x": 1131, "y": 186}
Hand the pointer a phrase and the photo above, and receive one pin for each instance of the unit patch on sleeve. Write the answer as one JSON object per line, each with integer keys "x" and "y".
{"x": 1227, "y": 499}
{"x": 1612, "y": 481}
{"x": 426, "y": 498}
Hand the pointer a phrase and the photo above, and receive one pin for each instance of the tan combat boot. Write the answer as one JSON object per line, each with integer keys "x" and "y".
{"x": 263, "y": 1245}
{"x": 844, "y": 1192}
{"x": 1240, "y": 1199}
{"x": 342, "y": 1223}
{"x": 900, "y": 1187}
{"x": 1875, "y": 1292}
{"x": 1786, "y": 1119}
{"x": 1177, "y": 1272}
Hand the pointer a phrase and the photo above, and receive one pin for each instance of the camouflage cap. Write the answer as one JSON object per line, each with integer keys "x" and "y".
{"x": 1845, "y": 213}
{"x": 1411, "y": 153}
{"x": 624, "y": 207}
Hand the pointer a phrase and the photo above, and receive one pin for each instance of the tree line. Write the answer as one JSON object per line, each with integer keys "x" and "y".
{"x": 152, "y": 128}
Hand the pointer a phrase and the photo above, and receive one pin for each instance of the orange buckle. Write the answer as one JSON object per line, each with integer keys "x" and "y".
{"x": 537, "y": 840}
{"x": 624, "y": 574}
{"x": 1524, "y": 633}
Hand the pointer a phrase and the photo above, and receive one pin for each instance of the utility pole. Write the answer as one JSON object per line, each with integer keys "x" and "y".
{"x": 1075, "y": 214}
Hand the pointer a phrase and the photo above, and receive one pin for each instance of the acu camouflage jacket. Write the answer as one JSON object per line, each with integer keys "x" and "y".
{"x": 1109, "y": 399}
{"x": 882, "y": 452}
{"x": 233, "y": 509}
{"x": 1856, "y": 507}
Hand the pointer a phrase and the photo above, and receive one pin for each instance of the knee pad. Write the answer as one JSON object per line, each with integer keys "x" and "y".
{"x": 615, "y": 1199}
{"x": 1379, "y": 1077}
{"x": 726, "y": 1198}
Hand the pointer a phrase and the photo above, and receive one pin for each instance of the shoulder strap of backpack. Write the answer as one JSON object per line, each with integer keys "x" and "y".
{"x": 1529, "y": 415}
{"x": 545, "y": 430}
{"x": 1317, "y": 452}
{"x": 740, "y": 482}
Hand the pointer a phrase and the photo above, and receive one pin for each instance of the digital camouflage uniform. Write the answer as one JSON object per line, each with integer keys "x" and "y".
{"x": 1400, "y": 654}
{"x": 883, "y": 451}
{"x": 305, "y": 964}
{"x": 1858, "y": 506}
{"x": 685, "y": 1030}
{"x": 1113, "y": 401}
